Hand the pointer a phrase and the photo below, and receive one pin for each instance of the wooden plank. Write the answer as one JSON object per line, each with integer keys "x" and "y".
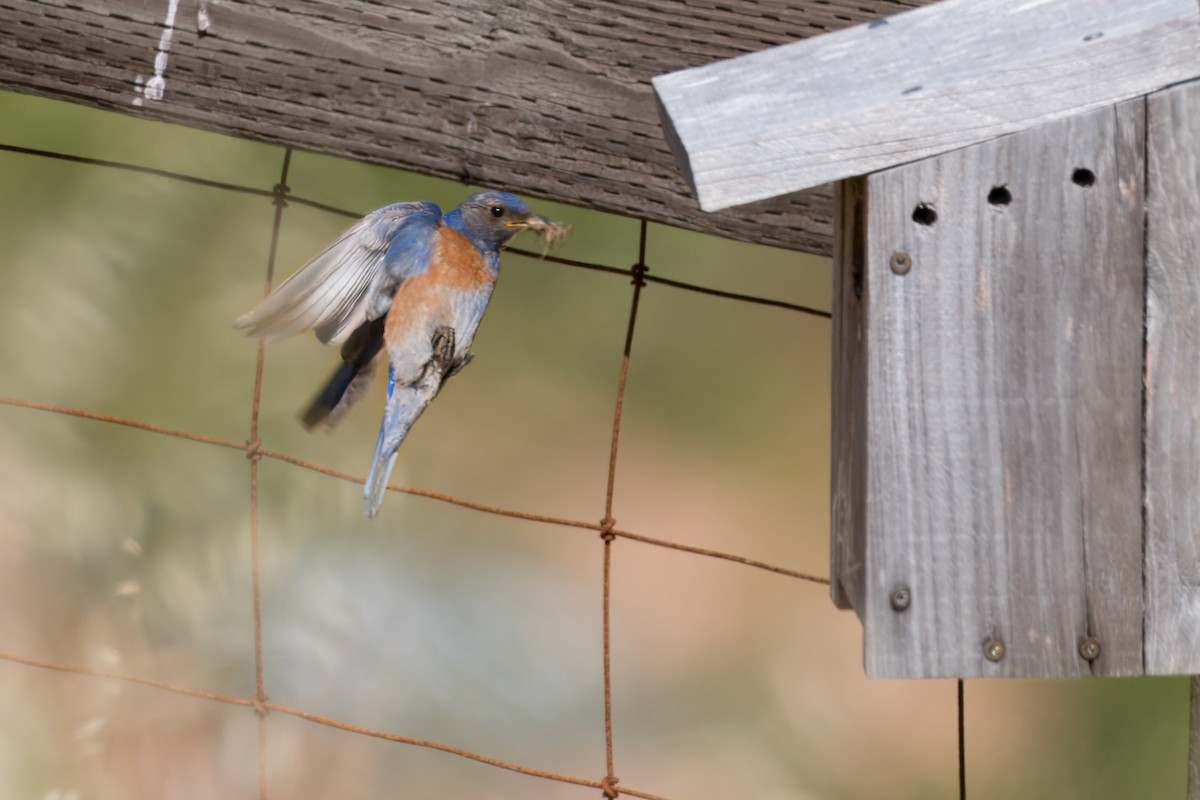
{"x": 549, "y": 98}
{"x": 847, "y": 518}
{"x": 1004, "y": 404}
{"x": 1173, "y": 382}
{"x": 925, "y": 82}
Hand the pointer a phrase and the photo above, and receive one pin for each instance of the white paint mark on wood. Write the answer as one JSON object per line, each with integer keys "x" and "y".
{"x": 154, "y": 88}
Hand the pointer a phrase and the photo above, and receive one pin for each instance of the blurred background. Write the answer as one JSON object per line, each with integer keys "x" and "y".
{"x": 128, "y": 552}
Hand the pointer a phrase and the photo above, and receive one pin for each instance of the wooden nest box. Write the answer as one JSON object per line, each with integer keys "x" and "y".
{"x": 1016, "y": 366}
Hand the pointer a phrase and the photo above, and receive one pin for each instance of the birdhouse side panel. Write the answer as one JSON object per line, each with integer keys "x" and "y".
{"x": 1173, "y": 382}
{"x": 1003, "y": 406}
{"x": 847, "y": 549}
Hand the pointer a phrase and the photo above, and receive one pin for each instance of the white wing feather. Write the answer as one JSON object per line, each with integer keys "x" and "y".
{"x": 332, "y": 293}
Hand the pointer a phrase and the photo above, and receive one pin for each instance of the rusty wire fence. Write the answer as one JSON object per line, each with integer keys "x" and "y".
{"x": 604, "y": 526}
{"x": 605, "y": 529}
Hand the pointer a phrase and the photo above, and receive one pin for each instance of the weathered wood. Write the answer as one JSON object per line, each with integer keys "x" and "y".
{"x": 1003, "y": 398}
{"x": 926, "y": 82}
{"x": 848, "y": 439}
{"x": 1173, "y": 382}
{"x": 550, "y": 98}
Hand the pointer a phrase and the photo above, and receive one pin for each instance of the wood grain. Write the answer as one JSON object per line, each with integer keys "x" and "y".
{"x": 848, "y": 438}
{"x": 1173, "y": 382}
{"x": 1003, "y": 405}
{"x": 549, "y": 98}
{"x": 926, "y": 82}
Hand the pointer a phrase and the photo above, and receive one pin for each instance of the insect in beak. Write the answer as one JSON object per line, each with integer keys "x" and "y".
{"x": 552, "y": 232}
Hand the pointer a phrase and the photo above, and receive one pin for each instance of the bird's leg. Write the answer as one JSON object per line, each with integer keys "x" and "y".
{"x": 443, "y": 359}
{"x": 443, "y": 349}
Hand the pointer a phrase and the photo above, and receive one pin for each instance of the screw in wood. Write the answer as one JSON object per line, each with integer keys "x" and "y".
{"x": 1089, "y": 648}
{"x": 900, "y": 263}
{"x": 901, "y": 598}
{"x": 993, "y": 649}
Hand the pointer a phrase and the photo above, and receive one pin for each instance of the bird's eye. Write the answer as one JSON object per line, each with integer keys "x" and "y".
{"x": 497, "y": 211}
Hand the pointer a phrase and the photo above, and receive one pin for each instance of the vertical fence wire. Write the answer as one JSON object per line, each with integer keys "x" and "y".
{"x": 608, "y": 522}
{"x": 253, "y": 445}
{"x": 962, "y": 743}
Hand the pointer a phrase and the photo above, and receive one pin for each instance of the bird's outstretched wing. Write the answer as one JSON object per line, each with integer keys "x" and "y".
{"x": 352, "y": 280}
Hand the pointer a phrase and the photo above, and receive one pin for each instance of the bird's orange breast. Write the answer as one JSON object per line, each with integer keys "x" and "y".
{"x": 455, "y": 267}
{"x": 457, "y": 264}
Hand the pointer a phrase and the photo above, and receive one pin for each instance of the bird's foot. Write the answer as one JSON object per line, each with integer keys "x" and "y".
{"x": 443, "y": 360}
{"x": 443, "y": 349}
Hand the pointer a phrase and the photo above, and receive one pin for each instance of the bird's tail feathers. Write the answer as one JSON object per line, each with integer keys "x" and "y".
{"x": 404, "y": 404}
{"x": 382, "y": 464}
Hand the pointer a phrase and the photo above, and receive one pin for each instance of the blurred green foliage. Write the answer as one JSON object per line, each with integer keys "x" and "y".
{"x": 128, "y": 552}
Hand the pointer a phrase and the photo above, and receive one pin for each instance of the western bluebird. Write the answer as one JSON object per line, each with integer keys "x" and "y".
{"x": 408, "y": 278}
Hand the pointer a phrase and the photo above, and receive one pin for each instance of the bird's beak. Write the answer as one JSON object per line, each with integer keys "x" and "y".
{"x": 548, "y": 229}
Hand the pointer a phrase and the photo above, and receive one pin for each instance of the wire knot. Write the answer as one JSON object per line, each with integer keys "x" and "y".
{"x": 606, "y": 529}
{"x": 252, "y": 446}
{"x": 259, "y": 701}
{"x": 280, "y": 192}
{"x": 608, "y": 785}
{"x": 639, "y": 274}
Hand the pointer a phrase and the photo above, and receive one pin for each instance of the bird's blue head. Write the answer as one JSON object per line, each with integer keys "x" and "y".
{"x": 490, "y": 219}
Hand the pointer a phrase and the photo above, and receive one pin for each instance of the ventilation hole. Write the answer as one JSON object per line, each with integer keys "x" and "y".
{"x": 1083, "y": 177}
{"x": 999, "y": 196}
{"x": 924, "y": 214}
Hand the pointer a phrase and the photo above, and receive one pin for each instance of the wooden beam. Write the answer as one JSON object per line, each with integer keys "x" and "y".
{"x": 549, "y": 98}
{"x": 999, "y": 382}
{"x": 1173, "y": 382}
{"x": 920, "y": 83}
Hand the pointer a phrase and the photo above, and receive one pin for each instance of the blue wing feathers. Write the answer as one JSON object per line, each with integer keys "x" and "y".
{"x": 350, "y": 378}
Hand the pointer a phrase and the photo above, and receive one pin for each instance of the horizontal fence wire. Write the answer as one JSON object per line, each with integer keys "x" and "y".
{"x": 252, "y": 450}
{"x": 255, "y": 451}
{"x": 250, "y": 702}
{"x": 252, "y": 190}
